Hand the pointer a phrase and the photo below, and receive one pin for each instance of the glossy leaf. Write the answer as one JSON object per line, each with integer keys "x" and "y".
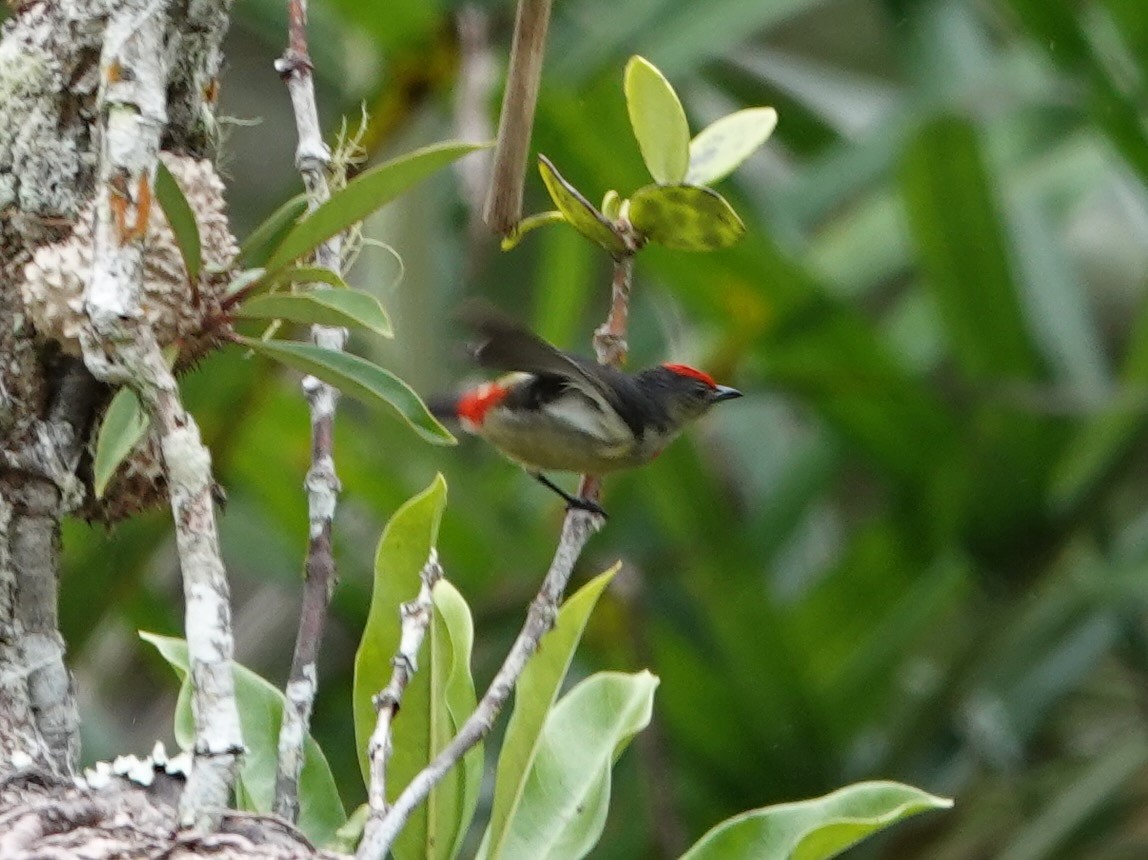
{"x": 530, "y": 222}
{"x": 567, "y": 793}
{"x": 331, "y": 307}
{"x": 366, "y": 193}
{"x": 440, "y": 695}
{"x": 722, "y": 146}
{"x": 814, "y": 829}
{"x": 658, "y": 120}
{"x": 577, "y": 210}
{"x": 321, "y": 812}
{"x": 534, "y": 696}
{"x": 358, "y": 378}
{"x": 685, "y": 217}
{"x": 181, "y": 219}
{"x": 258, "y": 247}
{"x": 124, "y": 425}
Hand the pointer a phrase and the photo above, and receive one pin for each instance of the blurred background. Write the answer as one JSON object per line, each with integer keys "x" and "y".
{"x": 918, "y": 548}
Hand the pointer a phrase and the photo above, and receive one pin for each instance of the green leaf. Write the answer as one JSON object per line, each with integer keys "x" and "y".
{"x": 531, "y": 222}
{"x": 181, "y": 219}
{"x": 685, "y": 217}
{"x": 267, "y": 237}
{"x": 356, "y": 377}
{"x": 124, "y": 425}
{"x": 534, "y": 697}
{"x": 658, "y": 120}
{"x": 722, "y": 146}
{"x": 366, "y": 193}
{"x": 321, "y": 812}
{"x": 612, "y": 205}
{"x": 581, "y": 214}
{"x": 332, "y": 307}
{"x": 347, "y": 837}
{"x": 438, "y": 698}
{"x": 951, "y": 208}
{"x": 254, "y": 281}
{"x": 567, "y": 792}
{"x": 814, "y": 829}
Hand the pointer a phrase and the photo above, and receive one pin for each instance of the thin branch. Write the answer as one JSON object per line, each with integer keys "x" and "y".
{"x": 381, "y": 832}
{"x": 312, "y": 159}
{"x": 134, "y": 71}
{"x": 504, "y": 201}
{"x": 416, "y": 620}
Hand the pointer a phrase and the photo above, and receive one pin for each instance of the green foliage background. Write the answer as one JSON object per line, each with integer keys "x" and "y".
{"x": 916, "y": 550}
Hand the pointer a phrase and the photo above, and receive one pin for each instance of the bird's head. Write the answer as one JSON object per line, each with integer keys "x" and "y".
{"x": 684, "y": 392}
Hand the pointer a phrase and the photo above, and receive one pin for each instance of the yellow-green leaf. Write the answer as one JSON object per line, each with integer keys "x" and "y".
{"x": 531, "y": 222}
{"x": 181, "y": 219}
{"x": 723, "y": 145}
{"x": 577, "y": 210}
{"x": 685, "y": 217}
{"x": 366, "y": 193}
{"x": 658, "y": 120}
{"x": 265, "y": 238}
{"x": 124, "y": 425}
{"x": 358, "y": 378}
{"x": 332, "y": 307}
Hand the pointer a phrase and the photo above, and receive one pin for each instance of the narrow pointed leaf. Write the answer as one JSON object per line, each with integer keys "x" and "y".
{"x": 685, "y": 217}
{"x": 321, "y": 812}
{"x": 579, "y": 211}
{"x": 658, "y": 120}
{"x": 264, "y": 239}
{"x": 534, "y": 697}
{"x": 366, "y": 193}
{"x": 124, "y": 425}
{"x": 331, "y": 307}
{"x": 531, "y": 222}
{"x": 358, "y": 378}
{"x": 181, "y": 219}
{"x": 814, "y": 829}
{"x": 255, "y": 281}
{"x": 567, "y": 794}
{"x": 722, "y": 146}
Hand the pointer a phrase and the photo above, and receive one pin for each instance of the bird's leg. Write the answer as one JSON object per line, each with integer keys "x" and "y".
{"x": 571, "y": 501}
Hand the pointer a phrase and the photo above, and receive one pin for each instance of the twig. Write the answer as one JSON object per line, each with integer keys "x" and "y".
{"x": 504, "y": 202}
{"x": 576, "y": 530}
{"x": 312, "y": 159}
{"x": 416, "y": 620}
{"x": 134, "y": 71}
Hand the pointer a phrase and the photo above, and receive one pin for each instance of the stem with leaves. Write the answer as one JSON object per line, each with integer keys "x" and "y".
{"x": 416, "y": 620}
{"x": 118, "y": 349}
{"x": 312, "y": 159}
{"x": 381, "y": 831}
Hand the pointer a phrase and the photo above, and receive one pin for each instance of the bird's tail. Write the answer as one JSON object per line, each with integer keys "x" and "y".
{"x": 444, "y": 407}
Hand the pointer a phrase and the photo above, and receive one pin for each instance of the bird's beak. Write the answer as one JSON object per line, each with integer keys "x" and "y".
{"x": 724, "y": 392}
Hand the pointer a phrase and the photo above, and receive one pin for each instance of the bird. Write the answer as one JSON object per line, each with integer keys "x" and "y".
{"x": 557, "y": 411}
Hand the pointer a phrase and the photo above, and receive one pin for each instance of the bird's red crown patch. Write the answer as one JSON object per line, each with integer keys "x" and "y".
{"x": 692, "y": 372}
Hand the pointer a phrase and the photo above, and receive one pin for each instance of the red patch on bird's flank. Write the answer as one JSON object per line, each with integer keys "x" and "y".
{"x": 693, "y": 373}
{"x": 473, "y": 405}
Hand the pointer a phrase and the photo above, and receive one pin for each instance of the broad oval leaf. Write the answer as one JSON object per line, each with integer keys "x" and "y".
{"x": 530, "y": 222}
{"x": 258, "y": 247}
{"x": 357, "y": 377}
{"x": 534, "y": 696}
{"x": 331, "y": 307}
{"x": 658, "y": 120}
{"x": 814, "y": 829}
{"x": 577, "y": 210}
{"x": 567, "y": 794}
{"x": 321, "y": 812}
{"x": 367, "y": 192}
{"x": 124, "y": 425}
{"x": 685, "y": 217}
{"x": 440, "y": 695}
{"x": 181, "y": 219}
{"x": 723, "y": 145}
